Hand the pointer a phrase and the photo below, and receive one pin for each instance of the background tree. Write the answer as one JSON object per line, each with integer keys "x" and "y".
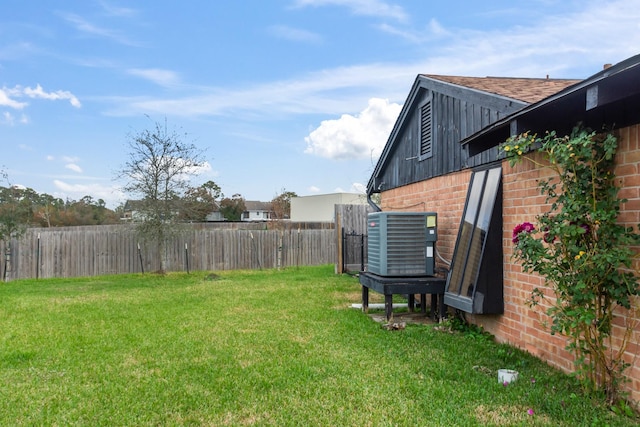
{"x": 281, "y": 205}
{"x": 232, "y": 208}
{"x": 47, "y": 210}
{"x": 15, "y": 214}
{"x": 157, "y": 172}
{"x": 24, "y": 207}
{"x": 198, "y": 202}
{"x": 16, "y": 209}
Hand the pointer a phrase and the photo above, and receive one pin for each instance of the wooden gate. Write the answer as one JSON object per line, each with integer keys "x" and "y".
{"x": 351, "y": 231}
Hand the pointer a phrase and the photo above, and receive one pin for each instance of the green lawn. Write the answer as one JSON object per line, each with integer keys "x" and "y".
{"x": 254, "y": 348}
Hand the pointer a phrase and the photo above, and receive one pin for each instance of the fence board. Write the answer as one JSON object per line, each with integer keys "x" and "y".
{"x": 353, "y": 218}
{"x": 113, "y": 249}
{"x": 353, "y": 222}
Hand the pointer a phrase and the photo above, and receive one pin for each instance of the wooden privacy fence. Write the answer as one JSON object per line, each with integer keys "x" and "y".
{"x": 115, "y": 249}
{"x": 351, "y": 230}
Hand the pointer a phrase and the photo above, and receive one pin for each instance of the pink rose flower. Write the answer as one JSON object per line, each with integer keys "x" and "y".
{"x": 525, "y": 227}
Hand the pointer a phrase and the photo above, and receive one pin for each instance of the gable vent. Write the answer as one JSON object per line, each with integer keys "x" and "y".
{"x": 426, "y": 134}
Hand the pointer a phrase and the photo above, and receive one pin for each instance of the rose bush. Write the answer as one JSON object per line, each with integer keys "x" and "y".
{"x": 582, "y": 252}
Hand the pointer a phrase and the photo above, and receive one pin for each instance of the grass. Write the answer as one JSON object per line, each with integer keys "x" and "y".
{"x": 255, "y": 348}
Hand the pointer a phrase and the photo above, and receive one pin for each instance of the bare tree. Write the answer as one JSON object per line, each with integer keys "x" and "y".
{"x": 157, "y": 173}
{"x": 281, "y": 204}
{"x": 15, "y": 208}
{"x": 15, "y": 213}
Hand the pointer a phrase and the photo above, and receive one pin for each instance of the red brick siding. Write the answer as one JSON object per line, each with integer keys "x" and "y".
{"x": 445, "y": 195}
{"x": 520, "y": 325}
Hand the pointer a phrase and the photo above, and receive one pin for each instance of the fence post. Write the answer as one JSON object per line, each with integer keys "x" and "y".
{"x": 140, "y": 257}
{"x": 186, "y": 257}
{"x": 279, "y": 261}
{"x": 345, "y": 251}
{"x": 362, "y": 252}
{"x": 38, "y": 258}
{"x": 340, "y": 237}
{"x": 7, "y": 260}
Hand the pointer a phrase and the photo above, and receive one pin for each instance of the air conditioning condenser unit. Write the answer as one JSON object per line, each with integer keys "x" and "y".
{"x": 401, "y": 243}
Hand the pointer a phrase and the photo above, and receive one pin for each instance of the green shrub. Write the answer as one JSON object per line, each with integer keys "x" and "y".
{"x": 583, "y": 253}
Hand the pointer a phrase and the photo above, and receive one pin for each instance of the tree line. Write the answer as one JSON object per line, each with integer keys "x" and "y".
{"x": 157, "y": 175}
{"x": 27, "y": 208}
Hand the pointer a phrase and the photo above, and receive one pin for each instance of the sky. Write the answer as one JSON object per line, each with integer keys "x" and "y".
{"x": 295, "y": 95}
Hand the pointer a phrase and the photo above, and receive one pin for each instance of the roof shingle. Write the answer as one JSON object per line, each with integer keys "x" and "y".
{"x": 528, "y": 90}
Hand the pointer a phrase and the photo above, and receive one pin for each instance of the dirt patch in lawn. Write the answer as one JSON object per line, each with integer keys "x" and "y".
{"x": 406, "y": 317}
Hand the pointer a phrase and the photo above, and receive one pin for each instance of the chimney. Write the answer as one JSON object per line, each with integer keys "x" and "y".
{"x": 605, "y": 66}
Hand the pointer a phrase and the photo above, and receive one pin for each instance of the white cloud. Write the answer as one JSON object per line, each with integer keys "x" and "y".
{"x": 189, "y": 173}
{"x": 377, "y": 8}
{"x": 10, "y": 119}
{"x": 73, "y": 167}
{"x": 204, "y": 169}
{"x": 313, "y": 189}
{"x": 331, "y": 91}
{"x": 38, "y": 92}
{"x": 117, "y": 11}
{"x": 573, "y": 46}
{"x": 6, "y": 101}
{"x": 351, "y": 137}
{"x": 70, "y": 162}
{"x": 110, "y": 194}
{"x": 16, "y": 50}
{"x": 357, "y": 187}
{"x": 7, "y": 118}
{"x": 87, "y": 27}
{"x": 156, "y": 75}
{"x": 294, "y": 34}
{"x": 433, "y": 32}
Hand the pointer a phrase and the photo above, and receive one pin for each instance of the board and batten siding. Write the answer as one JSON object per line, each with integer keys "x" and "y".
{"x": 457, "y": 114}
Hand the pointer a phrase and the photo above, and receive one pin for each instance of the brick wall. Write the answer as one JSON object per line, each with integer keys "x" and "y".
{"x": 445, "y": 195}
{"x": 520, "y": 325}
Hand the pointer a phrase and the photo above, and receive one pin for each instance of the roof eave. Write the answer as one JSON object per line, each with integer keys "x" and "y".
{"x": 371, "y": 185}
{"x": 585, "y": 102}
{"x": 407, "y": 107}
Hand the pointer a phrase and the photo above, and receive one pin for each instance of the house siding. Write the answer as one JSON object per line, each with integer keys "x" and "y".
{"x": 322, "y": 207}
{"x": 521, "y": 325}
{"x": 456, "y": 115}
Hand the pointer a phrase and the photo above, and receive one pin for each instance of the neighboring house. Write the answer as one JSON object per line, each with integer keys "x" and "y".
{"x": 257, "y": 211}
{"x": 321, "y": 208}
{"x": 131, "y": 210}
{"x": 447, "y": 134}
{"x": 214, "y": 216}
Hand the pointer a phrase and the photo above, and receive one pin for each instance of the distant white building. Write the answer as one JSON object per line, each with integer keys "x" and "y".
{"x": 321, "y": 208}
{"x": 257, "y": 211}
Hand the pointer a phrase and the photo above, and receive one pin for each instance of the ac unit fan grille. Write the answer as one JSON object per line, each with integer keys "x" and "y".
{"x": 397, "y": 243}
